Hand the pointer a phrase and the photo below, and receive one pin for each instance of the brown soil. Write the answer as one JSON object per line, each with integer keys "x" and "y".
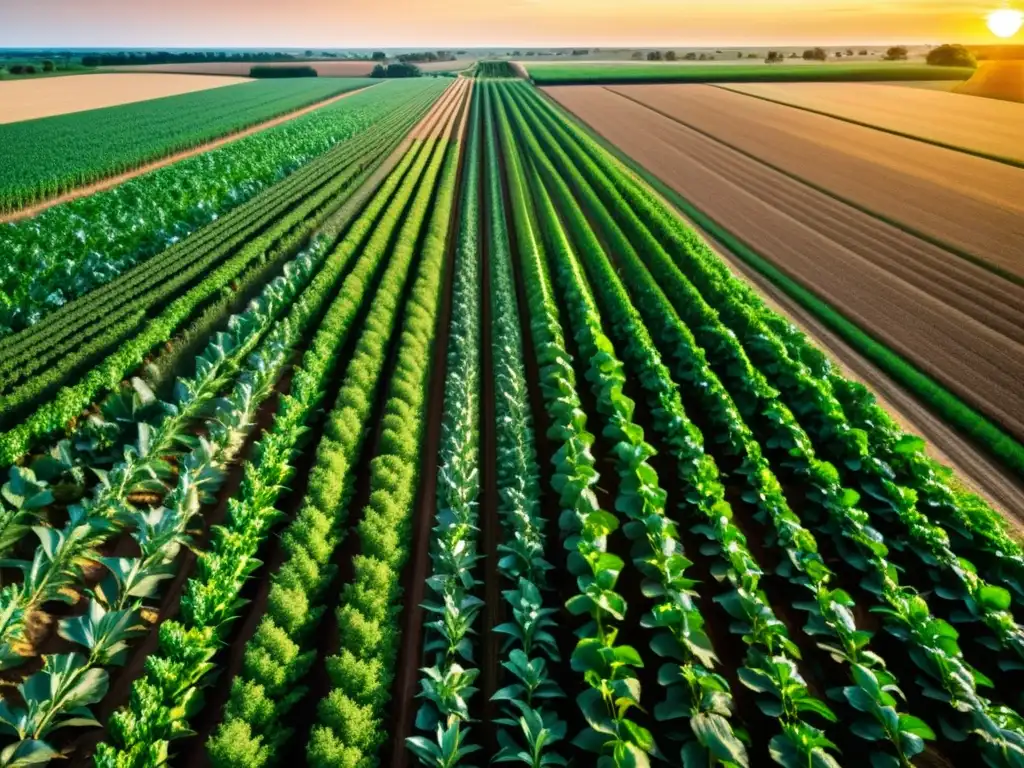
{"x": 417, "y": 570}
{"x": 329, "y": 68}
{"x": 31, "y": 99}
{"x": 990, "y": 127}
{"x": 113, "y": 181}
{"x": 895, "y": 286}
{"x": 973, "y": 204}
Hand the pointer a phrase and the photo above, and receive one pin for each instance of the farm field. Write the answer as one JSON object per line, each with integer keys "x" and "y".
{"x": 951, "y": 318}
{"x": 29, "y": 100}
{"x": 963, "y": 202}
{"x": 66, "y": 152}
{"x": 326, "y": 68}
{"x": 424, "y": 429}
{"x": 988, "y": 127}
{"x": 596, "y": 72}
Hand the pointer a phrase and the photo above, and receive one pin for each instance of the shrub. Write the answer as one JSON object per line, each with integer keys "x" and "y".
{"x": 897, "y": 53}
{"x": 235, "y": 746}
{"x": 266, "y": 71}
{"x": 951, "y": 56}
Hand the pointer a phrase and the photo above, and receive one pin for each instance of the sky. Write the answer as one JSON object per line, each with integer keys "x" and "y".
{"x": 484, "y": 23}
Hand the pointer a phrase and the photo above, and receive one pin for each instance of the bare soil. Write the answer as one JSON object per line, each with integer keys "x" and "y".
{"x": 894, "y": 285}
{"x": 31, "y": 99}
{"x": 970, "y": 203}
{"x": 991, "y": 127}
{"x": 113, "y": 181}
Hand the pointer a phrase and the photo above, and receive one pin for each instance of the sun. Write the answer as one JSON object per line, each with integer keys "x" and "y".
{"x": 1005, "y": 23}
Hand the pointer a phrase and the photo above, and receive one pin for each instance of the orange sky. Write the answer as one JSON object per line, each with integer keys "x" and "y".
{"x": 450, "y": 23}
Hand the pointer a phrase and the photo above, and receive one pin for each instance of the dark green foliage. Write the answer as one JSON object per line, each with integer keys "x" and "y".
{"x": 951, "y": 56}
{"x": 269, "y": 72}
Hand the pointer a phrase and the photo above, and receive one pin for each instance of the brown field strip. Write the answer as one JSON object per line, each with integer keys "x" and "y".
{"x": 956, "y": 321}
{"x": 984, "y": 126}
{"x": 970, "y": 203}
{"x": 32, "y": 99}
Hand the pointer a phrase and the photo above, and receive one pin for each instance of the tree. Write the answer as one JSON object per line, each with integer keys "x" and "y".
{"x": 691, "y": 56}
{"x": 951, "y": 56}
{"x": 863, "y": 53}
{"x": 703, "y": 57}
{"x": 739, "y": 54}
{"x": 379, "y": 56}
{"x": 670, "y": 55}
{"x": 654, "y": 56}
{"x": 637, "y": 55}
{"x": 774, "y": 57}
{"x": 793, "y": 56}
{"x": 839, "y": 54}
{"x": 816, "y": 54}
{"x": 849, "y": 52}
{"x": 897, "y": 53}
{"x": 17, "y": 69}
{"x": 751, "y": 55}
{"x": 48, "y": 66}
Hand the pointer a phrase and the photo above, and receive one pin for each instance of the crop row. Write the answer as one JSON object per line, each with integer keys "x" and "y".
{"x": 450, "y": 649}
{"x": 81, "y": 244}
{"x": 740, "y": 333}
{"x": 278, "y": 656}
{"x": 350, "y": 719}
{"x": 282, "y": 238}
{"x": 757, "y": 404}
{"x": 170, "y": 272}
{"x": 62, "y": 152}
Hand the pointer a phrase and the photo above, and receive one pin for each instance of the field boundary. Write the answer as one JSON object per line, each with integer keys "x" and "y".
{"x": 892, "y": 131}
{"x": 109, "y": 182}
{"x": 966, "y": 419}
{"x": 901, "y": 226}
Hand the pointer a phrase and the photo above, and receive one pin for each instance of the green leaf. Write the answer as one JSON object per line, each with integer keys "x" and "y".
{"x": 715, "y": 733}
{"x": 994, "y": 598}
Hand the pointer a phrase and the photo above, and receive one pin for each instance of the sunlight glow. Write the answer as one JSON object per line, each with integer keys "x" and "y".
{"x": 1005, "y": 23}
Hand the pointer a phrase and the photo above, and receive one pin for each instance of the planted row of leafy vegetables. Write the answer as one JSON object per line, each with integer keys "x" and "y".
{"x": 769, "y": 415}
{"x": 60, "y": 153}
{"x": 117, "y": 335}
{"x": 154, "y": 493}
{"x": 80, "y": 245}
{"x": 827, "y": 495}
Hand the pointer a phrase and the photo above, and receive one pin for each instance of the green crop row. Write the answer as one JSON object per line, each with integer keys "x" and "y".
{"x": 285, "y": 235}
{"x": 729, "y": 332}
{"x": 169, "y": 273}
{"x": 350, "y": 724}
{"x": 255, "y": 728}
{"x": 931, "y": 643}
{"x": 77, "y": 246}
{"x": 62, "y": 152}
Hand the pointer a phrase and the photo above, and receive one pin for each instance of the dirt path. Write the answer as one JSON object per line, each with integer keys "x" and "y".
{"x": 971, "y": 204}
{"x": 831, "y": 248}
{"x": 113, "y": 181}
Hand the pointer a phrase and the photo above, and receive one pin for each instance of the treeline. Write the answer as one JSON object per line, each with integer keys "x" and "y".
{"x": 129, "y": 58}
{"x": 398, "y": 69}
{"x": 426, "y": 57}
{"x": 265, "y": 71}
